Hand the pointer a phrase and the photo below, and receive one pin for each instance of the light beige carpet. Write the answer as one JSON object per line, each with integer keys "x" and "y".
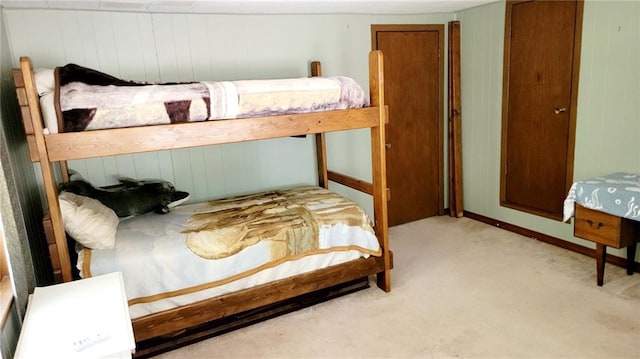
{"x": 460, "y": 289}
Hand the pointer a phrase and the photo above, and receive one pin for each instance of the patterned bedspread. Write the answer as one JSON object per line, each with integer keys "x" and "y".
{"x": 86, "y": 99}
{"x": 289, "y": 220}
{"x": 617, "y": 193}
{"x": 168, "y": 260}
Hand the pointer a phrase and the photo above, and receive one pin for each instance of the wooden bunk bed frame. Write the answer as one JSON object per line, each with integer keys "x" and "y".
{"x": 170, "y": 325}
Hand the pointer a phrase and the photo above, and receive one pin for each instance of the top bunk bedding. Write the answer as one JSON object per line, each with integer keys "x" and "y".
{"x": 74, "y": 98}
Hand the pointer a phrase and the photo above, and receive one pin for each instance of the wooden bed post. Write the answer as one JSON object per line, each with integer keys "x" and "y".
{"x": 321, "y": 144}
{"x": 379, "y": 165}
{"x": 46, "y": 165}
{"x": 455, "y": 123}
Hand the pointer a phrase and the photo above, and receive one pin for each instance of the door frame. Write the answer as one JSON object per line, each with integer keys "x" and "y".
{"x": 441, "y": 35}
{"x": 573, "y": 107}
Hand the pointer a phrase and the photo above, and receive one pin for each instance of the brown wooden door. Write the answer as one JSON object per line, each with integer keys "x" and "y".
{"x": 539, "y": 97}
{"x": 413, "y": 86}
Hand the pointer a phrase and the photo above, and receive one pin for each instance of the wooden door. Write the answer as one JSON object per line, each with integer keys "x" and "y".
{"x": 542, "y": 47}
{"x": 413, "y": 71}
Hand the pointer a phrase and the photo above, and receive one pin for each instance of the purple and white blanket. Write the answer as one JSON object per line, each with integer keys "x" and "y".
{"x": 86, "y": 99}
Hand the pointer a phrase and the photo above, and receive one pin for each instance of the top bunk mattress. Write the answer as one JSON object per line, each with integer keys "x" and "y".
{"x": 75, "y": 98}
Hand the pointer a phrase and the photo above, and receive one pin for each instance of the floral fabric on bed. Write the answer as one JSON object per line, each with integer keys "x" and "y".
{"x": 616, "y": 193}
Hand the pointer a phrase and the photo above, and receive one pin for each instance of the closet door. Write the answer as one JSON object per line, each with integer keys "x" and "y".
{"x": 541, "y": 62}
{"x": 414, "y": 72}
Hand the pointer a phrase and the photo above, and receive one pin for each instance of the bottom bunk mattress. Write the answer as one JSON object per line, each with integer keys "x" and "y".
{"x": 203, "y": 250}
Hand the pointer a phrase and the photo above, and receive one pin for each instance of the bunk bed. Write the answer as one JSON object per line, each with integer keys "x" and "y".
{"x": 186, "y": 323}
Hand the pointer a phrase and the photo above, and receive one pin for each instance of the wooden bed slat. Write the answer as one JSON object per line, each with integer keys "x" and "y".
{"x": 218, "y": 307}
{"x": 351, "y": 182}
{"x": 21, "y": 94}
{"x": 53, "y": 248}
{"x": 17, "y": 78}
{"x": 56, "y": 267}
{"x": 33, "y": 148}
{"x": 48, "y": 229}
{"x": 26, "y": 120}
{"x": 100, "y": 143}
{"x": 23, "y": 102}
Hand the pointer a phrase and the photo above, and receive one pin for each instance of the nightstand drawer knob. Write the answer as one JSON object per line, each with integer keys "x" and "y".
{"x": 596, "y": 225}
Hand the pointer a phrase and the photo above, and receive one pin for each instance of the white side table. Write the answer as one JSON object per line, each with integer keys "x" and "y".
{"x": 87, "y": 318}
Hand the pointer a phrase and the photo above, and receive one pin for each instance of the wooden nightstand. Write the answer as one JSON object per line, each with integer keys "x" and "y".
{"x": 63, "y": 320}
{"x": 607, "y": 230}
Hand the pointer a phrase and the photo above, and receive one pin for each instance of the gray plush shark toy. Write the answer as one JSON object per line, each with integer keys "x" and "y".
{"x": 130, "y": 197}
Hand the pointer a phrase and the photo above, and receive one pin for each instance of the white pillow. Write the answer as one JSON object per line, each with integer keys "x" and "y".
{"x": 88, "y": 221}
{"x": 48, "y": 111}
{"x": 45, "y": 80}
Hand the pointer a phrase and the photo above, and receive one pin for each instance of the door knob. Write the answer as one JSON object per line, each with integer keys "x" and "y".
{"x": 387, "y": 145}
{"x": 559, "y": 110}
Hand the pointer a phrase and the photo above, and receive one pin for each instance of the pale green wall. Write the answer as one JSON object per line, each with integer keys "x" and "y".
{"x": 608, "y": 117}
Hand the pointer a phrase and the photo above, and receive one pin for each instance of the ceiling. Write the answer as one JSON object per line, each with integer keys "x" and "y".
{"x": 254, "y": 6}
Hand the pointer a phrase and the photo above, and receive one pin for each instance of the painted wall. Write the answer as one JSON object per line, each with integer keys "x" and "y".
{"x": 608, "y": 125}
{"x": 182, "y": 47}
